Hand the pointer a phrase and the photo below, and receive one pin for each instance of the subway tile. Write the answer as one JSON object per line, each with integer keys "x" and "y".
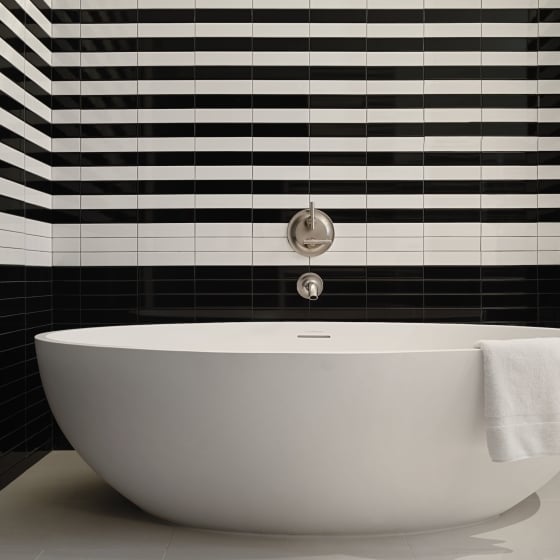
{"x": 452, "y": 258}
{"x": 109, "y": 258}
{"x": 391, "y": 129}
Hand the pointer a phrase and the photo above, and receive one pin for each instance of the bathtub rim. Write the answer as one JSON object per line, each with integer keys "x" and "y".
{"x": 45, "y": 338}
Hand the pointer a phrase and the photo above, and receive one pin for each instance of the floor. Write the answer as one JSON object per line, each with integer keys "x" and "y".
{"x": 59, "y": 509}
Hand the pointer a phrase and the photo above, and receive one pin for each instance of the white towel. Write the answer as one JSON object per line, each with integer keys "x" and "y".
{"x": 522, "y": 397}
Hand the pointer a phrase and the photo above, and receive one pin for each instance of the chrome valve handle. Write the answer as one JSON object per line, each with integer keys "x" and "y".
{"x": 310, "y": 232}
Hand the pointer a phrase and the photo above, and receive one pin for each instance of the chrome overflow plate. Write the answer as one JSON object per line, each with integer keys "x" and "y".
{"x": 310, "y": 232}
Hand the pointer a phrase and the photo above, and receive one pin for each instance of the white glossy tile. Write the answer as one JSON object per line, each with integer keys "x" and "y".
{"x": 66, "y": 259}
{"x": 549, "y": 257}
{"x": 233, "y": 244}
{"x": 279, "y": 87}
{"x": 350, "y": 229}
{"x": 109, "y": 230}
{"x": 452, "y": 30}
{"x": 548, "y": 243}
{"x": 355, "y": 258}
{"x": 338, "y": 4}
{"x": 395, "y": 244}
{"x": 451, "y": 201}
{"x": 515, "y": 244}
{"x": 451, "y": 244}
{"x": 490, "y": 58}
{"x": 452, "y": 172}
{"x": 166, "y": 258}
{"x": 339, "y": 201}
{"x": 452, "y": 144}
{"x": 108, "y": 244}
{"x": 221, "y": 258}
{"x": 275, "y": 258}
{"x": 223, "y": 201}
{"x": 400, "y": 258}
{"x": 10, "y": 255}
{"x": 395, "y": 4}
{"x": 452, "y": 258}
{"x": 38, "y": 258}
{"x": 66, "y": 230}
{"x": 269, "y": 230}
{"x": 338, "y": 173}
{"x": 446, "y": 58}
{"x": 166, "y": 200}
{"x": 396, "y": 229}
{"x": 273, "y": 144}
{"x": 110, "y": 259}
{"x": 35, "y": 227}
{"x": 512, "y": 229}
{"x": 165, "y": 4}
{"x": 342, "y": 30}
{"x": 65, "y": 244}
{"x": 446, "y": 229}
{"x": 509, "y": 258}
{"x": 394, "y": 201}
{"x": 511, "y": 4}
{"x": 395, "y": 30}
{"x": 395, "y": 59}
{"x": 280, "y": 201}
{"x": 337, "y": 58}
{"x": 509, "y": 201}
{"x": 227, "y": 229}
{"x": 171, "y": 172}
{"x": 165, "y": 230}
{"x": 270, "y": 244}
{"x": 66, "y": 202}
{"x": 280, "y": 4}
{"x": 451, "y": 4}
{"x": 114, "y": 201}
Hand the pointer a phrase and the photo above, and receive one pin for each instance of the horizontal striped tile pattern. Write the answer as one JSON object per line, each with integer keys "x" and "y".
{"x": 415, "y": 115}
{"x": 427, "y": 129}
{"x": 25, "y": 231}
{"x": 25, "y": 136}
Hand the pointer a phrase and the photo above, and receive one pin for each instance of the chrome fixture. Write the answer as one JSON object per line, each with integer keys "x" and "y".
{"x": 310, "y": 232}
{"x": 310, "y": 286}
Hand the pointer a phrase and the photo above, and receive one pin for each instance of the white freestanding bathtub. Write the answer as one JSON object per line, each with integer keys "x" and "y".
{"x": 288, "y": 427}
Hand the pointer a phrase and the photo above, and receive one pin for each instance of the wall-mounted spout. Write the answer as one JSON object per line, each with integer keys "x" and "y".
{"x": 312, "y": 290}
{"x": 310, "y": 286}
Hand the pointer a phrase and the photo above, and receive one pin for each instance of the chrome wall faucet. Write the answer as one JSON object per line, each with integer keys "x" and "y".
{"x": 310, "y": 286}
{"x": 310, "y": 232}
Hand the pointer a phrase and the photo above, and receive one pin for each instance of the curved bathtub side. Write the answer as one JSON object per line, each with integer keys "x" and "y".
{"x": 288, "y": 443}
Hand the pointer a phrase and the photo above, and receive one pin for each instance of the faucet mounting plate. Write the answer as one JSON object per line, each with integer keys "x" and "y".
{"x": 310, "y": 232}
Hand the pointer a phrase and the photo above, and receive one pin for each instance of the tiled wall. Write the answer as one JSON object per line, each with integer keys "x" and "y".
{"x": 182, "y": 135}
{"x": 187, "y": 133}
{"x": 25, "y": 231}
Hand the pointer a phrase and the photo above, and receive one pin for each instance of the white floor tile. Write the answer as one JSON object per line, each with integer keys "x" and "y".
{"x": 551, "y": 491}
{"x": 19, "y": 553}
{"x": 100, "y": 554}
{"x": 61, "y": 510}
{"x": 60, "y": 503}
{"x": 223, "y": 546}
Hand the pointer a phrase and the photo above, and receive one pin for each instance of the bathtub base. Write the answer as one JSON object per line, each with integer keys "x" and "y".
{"x": 337, "y": 535}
